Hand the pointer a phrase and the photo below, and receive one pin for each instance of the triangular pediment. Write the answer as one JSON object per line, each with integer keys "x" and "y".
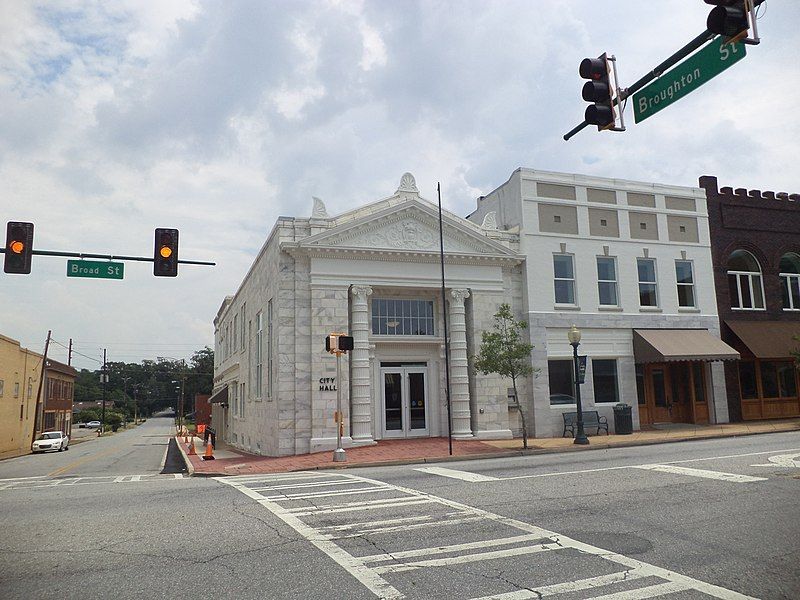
{"x": 412, "y": 226}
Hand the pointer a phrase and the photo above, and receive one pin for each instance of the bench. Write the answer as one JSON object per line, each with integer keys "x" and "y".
{"x": 591, "y": 418}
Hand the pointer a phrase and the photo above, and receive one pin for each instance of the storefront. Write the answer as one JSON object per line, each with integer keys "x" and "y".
{"x": 672, "y": 373}
{"x": 767, "y": 376}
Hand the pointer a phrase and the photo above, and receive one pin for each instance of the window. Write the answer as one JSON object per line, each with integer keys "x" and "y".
{"x": 16, "y": 389}
{"x": 564, "y": 278}
{"x": 648, "y": 288}
{"x": 402, "y": 317}
{"x": 640, "y": 393}
{"x": 2, "y": 385}
{"x": 269, "y": 349}
{"x": 744, "y": 281}
{"x": 258, "y": 353}
{"x": 777, "y": 379}
{"x": 607, "y": 280}
{"x": 235, "y": 332}
{"x": 604, "y": 377}
{"x": 242, "y": 395}
{"x": 790, "y": 281}
{"x": 562, "y": 381}
{"x": 699, "y": 382}
{"x": 685, "y": 279}
{"x": 243, "y": 328}
{"x": 747, "y": 380}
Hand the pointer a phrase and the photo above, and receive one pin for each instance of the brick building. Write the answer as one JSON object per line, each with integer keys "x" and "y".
{"x": 755, "y": 246}
{"x": 59, "y": 393}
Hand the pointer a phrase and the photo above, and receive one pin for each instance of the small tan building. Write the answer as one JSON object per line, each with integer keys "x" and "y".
{"x": 20, "y": 371}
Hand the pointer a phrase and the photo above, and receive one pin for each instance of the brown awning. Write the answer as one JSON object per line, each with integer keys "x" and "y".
{"x": 662, "y": 345}
{"x": 767, "y": 339}
{"x": 220, "y": 396}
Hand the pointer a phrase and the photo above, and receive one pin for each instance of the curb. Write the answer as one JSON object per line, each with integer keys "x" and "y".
{"x": 187, "y": 462}
{"x": 488, "y": 455}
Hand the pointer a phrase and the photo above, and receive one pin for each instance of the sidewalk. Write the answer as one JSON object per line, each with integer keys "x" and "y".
{"x": 229, "y": 461}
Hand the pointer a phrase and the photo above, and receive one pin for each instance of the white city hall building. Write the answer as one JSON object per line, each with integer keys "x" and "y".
{"x": 628, "y": 262}
{"x": 375, "y": 273}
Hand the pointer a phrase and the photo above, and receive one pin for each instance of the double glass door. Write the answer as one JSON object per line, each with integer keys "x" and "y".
{"x": 404, "y": 395}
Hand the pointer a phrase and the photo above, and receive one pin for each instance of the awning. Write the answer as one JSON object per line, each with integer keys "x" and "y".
{"x": 220, "y": 396}
{"x": 663, "y": 345}
{"x": 767, "y": 339}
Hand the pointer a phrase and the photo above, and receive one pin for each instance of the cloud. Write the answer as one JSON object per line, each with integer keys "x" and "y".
{"x": 216, "y": 118}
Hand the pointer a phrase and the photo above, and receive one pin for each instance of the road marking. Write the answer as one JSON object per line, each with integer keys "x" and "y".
{"x": 448, "y": 549}
{"x": 80, "y": 461}
{"x": 23, "y": 478}
{"x": 731, "y": 477}
{"x": 363, "y": 568}
{"x": 371, "y": 580}
{"x": 453, "y": 473}
{"x": 570, "y": 586}
{"x": 345, "y": 492}
{"x": 789, "y": 461}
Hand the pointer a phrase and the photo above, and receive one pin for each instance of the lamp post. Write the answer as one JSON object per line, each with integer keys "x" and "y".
{"x": 574, "y": 336}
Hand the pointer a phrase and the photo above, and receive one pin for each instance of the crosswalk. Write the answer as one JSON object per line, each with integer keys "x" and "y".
{"x": 419, "y": 536}
{"x": 44, "y": 482}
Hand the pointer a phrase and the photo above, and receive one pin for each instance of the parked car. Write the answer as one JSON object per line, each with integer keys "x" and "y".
{"x": 51, "y": 440}
{"x": 93, "y": 424}
{"x": 82, "y": 425}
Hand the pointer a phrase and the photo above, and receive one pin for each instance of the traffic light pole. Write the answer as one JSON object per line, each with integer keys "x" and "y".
{"x": 657, "y": 72}
{"x": 110, "y": 257}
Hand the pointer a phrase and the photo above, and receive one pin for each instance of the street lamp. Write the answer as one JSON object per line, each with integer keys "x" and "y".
{"x": 574, "y": 336}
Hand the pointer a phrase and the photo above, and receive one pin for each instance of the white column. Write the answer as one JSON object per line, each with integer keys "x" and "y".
{"x": 360, "y": 386}
{"x": 459, "y": 367}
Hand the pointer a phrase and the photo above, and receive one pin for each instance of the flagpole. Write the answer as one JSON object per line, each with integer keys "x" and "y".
{"x": 446, "y": 337}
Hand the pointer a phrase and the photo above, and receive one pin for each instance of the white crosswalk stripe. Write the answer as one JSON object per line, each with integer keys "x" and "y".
{"x": 331, "y": 525}
{"x": 30, "y": 483}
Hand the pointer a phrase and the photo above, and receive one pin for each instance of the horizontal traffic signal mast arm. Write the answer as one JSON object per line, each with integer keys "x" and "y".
{"x": 112, "y": 257}
{"x": 675, "y": 58}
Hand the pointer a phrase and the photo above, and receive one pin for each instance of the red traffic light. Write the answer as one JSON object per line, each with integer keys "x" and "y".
{"x": 597, "y": 91}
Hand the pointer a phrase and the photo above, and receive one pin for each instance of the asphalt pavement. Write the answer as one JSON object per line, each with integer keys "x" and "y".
{"x": 709, "y": 518}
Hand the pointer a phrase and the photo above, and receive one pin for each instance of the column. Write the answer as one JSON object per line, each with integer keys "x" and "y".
{"x": 459, "y": 366}
{"x": 361, "y": 389}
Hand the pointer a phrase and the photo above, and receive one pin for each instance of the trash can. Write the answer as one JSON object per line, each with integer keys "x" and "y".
{"x": 623, "y": 419}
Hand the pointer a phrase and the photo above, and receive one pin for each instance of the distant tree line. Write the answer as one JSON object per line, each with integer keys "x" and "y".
{"x": 149, "y": 386}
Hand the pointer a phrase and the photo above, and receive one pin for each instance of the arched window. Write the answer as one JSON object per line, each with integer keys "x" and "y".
{"x": 790, "y": 281}
{"x": 744, "y": 281}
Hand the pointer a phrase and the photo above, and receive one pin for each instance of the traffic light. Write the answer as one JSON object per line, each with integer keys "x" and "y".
{"x": 728, "y": 17}
{"x": 597, "y": 91}
{"x": 19, "y": 247}
{"x": 165, "y": 254}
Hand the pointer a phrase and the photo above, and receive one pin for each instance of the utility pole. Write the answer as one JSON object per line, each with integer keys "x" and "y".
{"x": 104, "y": 378}
{"x": 69, "y": 353}
{"x": 38, "y": 417}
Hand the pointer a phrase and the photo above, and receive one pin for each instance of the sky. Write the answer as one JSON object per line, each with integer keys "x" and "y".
{"x": 217, "y": 117}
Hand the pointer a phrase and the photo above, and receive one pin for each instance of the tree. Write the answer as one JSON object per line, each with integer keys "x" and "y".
{"x": 504, "y": 352}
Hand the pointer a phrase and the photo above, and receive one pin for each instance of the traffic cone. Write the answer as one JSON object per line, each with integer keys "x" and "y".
{"x": 209, "y": 455}
{"x": 191, "y": 447}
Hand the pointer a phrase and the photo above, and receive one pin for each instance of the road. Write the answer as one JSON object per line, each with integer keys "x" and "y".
{"x": 686, "y": 520}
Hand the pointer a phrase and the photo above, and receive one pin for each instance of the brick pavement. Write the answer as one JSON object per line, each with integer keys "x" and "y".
{"x": 230, "y": 461}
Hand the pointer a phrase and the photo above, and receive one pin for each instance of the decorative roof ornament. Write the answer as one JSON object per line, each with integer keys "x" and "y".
{"x": 490, "y": 220}
{"x": 408, "y": 184}
{"x": 319, "y": 211}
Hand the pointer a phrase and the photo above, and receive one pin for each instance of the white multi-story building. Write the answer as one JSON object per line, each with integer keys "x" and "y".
{"x": 373, "y": 272}
{"x": 629, "y": 263}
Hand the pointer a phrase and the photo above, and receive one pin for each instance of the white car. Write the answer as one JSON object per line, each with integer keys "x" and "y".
{"x": 93, "y": 424}
{"x": 51, "y": 440}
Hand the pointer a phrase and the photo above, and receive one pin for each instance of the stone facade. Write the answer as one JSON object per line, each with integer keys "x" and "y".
{"x": 19, "y": 385}
{"x": 326, "y": 274}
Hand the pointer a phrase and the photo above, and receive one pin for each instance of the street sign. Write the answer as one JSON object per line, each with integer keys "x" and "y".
{"x": 686, "y": 77}
{"x": 95, "y": 269}
{"x": 582, "y": 369}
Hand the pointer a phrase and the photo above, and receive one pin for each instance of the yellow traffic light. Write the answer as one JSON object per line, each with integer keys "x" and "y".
{"x": 165, "y": 251}
{"x": 17, "y": 247}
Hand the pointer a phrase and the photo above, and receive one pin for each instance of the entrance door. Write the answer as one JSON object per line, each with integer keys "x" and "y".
{"x": 660, "y": 393}
{"x": 405, "y": 401}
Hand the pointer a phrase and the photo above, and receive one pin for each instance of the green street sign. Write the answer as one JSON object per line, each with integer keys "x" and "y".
{"x": 673, "y": 85}
{"x": 95, "y": 269}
